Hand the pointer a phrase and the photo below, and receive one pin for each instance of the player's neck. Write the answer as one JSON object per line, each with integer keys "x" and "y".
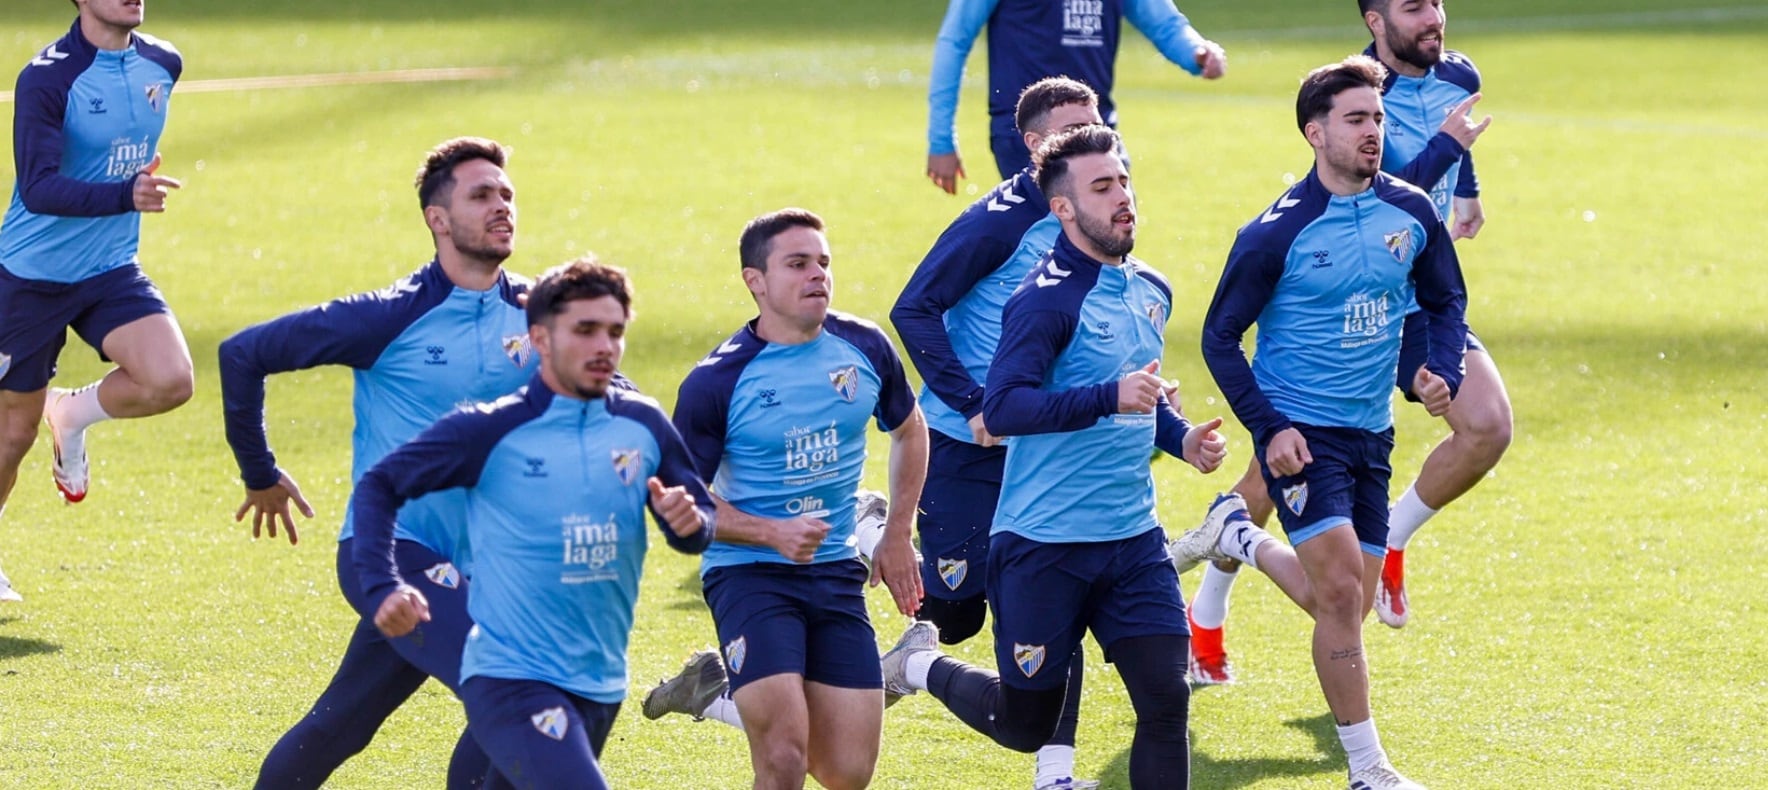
{"x": 469, "y": 272}
{"x": 104, "y": 35}
{"x": 1087, "y": 248}
{"x": 779, "y": 330}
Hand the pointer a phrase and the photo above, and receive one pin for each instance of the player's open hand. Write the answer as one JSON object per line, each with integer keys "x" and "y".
{"x": 1212, "y": 60}
{"x": 945, "y": 170}
{"x": 676, "y": 506}
{"x": 894, "y": 563}
{"x": 799, "y": 537}
{"x": 1205, "y": 448}
{"x": 270, "y": 505}
{"x": 1432, "y": 391}
{"x": 1139, "y": 392}
{"x": 402, "y": 611}
{"x": 1461, "y": 126}
{"x": 150, "y": 190}
{"x": 1287, "y": 453}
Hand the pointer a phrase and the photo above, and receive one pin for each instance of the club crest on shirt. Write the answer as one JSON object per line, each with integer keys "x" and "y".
{"x": 735, "y": 652}
{"x": 1295, "y": 498}
{"x": 5, "y": 364}
{"x": 156, "y": 96}
{"x": 1030, "y": 658}
{"x": 519, "y": 349}
{"x": 1399, "y": 243}
{"x": 952, "y": 572}
{"x": 1156, "y": 312}
{"x": 846, "y": 382}
{"x": 551, "y": 723}
{"x": 443, "y": 574}
{"x": 626, "y": 464}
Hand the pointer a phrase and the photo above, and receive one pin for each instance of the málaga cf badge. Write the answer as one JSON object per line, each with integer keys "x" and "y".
{"x": 846, "y": 382}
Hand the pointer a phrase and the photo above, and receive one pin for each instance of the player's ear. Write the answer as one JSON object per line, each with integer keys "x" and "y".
{"x": 754, "y": 278}
{"x": 1315, "y": 133}
{"x": 1062, "y": 207}
{"x": 436, "y": 218}
{"x": 538, "y": 335}
{"x": 1377, "y": 26}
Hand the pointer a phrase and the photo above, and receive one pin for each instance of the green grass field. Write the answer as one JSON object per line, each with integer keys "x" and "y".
{"x": 1592, "y": 616}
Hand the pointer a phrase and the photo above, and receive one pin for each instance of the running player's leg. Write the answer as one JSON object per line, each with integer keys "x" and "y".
{"x": 760, "y": 615}
{"x": 129, "y": 323}
{"x": 435, "y": 646}
{"x": 537, "y": 735}
{"x": 1140, "y": 621}
{"x": 843, "y": 684}
{"x": 956, "y": 509}
{"x": 371, "y": 682}
{"x": 34, "y": 329}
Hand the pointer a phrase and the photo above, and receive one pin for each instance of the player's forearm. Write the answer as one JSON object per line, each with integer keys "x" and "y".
{"x": 744, "y": 529}
{"x": 957, "y": 34}
{"x": 56, "y": 195}
{"x": 1024, "y": 409}
{"x": 1170, "y": 428}
{"x": 1226, "y": 360}
{"x": 1434, "y": 162}
{"x": 242, "y": 399}
{"x": 373, "y": 507}
{"x": 925, "y": 340}
{"x": 908, "y": 474}
{"x": 1169, "y": 30}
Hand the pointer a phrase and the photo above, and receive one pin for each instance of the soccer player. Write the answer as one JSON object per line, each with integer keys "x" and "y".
{"x": 1326, "y": 273}
{"x": 1075, "y": 542}
{"x": 88, "y": 113}
{"x": 776, "y": 418}
{"x": 559, "y": 475}
{"x": 949, "y": 317}
{"x": 1425, "y": 83}
{"x": 1029, "y": 40}
{"x": 452, "y": 332}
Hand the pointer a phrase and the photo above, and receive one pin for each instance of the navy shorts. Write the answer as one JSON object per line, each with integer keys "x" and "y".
{"x": 957, "y": 508}
{"x": 536, "y": 734}
{"x": 808, "y": 620}
{"x": 1345, "y": 484}
{"x": 1413, "y": 353}
{"x": 1046, "y": 595}
{"x": 435, "y": 646}
{"x": 38, "y": 313}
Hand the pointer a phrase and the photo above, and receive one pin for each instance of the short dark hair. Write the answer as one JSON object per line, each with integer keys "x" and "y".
{"x": 1040, "y": 98}
{"x": 584, "y": 278}
{"x": 1051, "y": 158}
{"x": 1322, "y": 85}
{"x": 1378, "y": 6}
{"x": 757, "y": 239}
{"x": 437, "y": 173}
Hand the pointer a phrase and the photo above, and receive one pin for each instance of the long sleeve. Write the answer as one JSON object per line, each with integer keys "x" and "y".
{"x": 37, "y": 147}
{"x": 1431, "y": 164}
{"x": 964, "y": 20}
{"x": 1014, "y": 402}
{"x": 1442, "y": 295}
{"x": 676, "y": 468}
{"x": 1248, "y": 281}
{"x": 1167, "y": 27}
{"x": 948, "y": 273}
{"x": 333, "y": 333}
{"x": 444, "y": 456}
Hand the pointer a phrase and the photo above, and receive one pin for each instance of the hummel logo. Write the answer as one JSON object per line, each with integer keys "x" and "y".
{"x": 1274, "y": 213}
{"x": 1007, "y": 195}
{"x": 1320, "y": 256}
{"x": 97, "y": 107}
{"x": 49, "y": 56}
{"x": 1051, "y": 267}
{"x": 536, "y": 467}
{"x": 435, "y": 353}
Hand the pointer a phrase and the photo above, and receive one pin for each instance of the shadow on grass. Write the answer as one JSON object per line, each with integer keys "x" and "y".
{"x": 19, "y": 647}
{"x": 1207, "y": 771}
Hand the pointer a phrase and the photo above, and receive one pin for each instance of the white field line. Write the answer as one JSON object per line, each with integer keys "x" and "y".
{"x": 339, "y": 78}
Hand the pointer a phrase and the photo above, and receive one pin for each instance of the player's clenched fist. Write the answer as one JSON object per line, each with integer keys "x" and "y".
{"x": 676, "y": 506}
{"x": 402, "y": 611}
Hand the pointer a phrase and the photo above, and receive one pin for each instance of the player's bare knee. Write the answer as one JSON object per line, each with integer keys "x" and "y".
{"x": 1338, "y": 596}
{"x": 1485, "y": 429}
{"x": 167, "y": 390}
{"x": 17, "y": 433}
{"x": 844, "y": 772}
{"x": 781, "y": 758}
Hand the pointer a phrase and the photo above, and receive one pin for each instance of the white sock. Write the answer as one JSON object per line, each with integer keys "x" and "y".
{"x": 916, "y": 667}
{"x": 1210, "y": 608}
{"x": 79, "y": 409}
{"x": 723, "y": 708}
{"x": 1054, "y": 762}
{"x": 1362, "y": 744}
{"x": 1406, "y": 517}
{"x": 1241, "y": 540}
